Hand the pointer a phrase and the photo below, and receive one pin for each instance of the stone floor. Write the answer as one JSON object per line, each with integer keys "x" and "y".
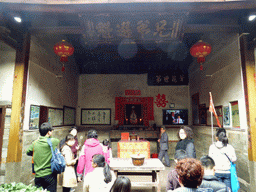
{"x": 163, "y": 180}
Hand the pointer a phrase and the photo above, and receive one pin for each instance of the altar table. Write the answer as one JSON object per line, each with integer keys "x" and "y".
{"x": 127, "y": 148}
{"x": 151, "y": 167}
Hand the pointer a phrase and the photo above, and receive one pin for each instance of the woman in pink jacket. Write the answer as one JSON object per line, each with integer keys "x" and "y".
{"x": 91, "y": 147}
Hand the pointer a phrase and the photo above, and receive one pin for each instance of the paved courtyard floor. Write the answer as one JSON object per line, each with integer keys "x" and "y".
{"x": 163, "y": 181}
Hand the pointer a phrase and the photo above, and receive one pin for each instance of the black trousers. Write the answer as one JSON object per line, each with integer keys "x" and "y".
{"x": 66, "y": 189}
{"x": 48, "y": 182}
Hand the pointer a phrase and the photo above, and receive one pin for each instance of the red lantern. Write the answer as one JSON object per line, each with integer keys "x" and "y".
{"x": 64, "y": 50}
{"x": 200, "y": 50}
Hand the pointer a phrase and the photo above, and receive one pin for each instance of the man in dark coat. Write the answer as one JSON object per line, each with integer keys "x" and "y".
{"x": 164, "y": 147}
{"x": 209, "y": 180}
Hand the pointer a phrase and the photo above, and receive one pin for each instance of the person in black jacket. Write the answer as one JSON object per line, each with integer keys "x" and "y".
{"x": 186, "y": 141}
{"x": 209, "y": 180}
{"x": 164, "y": 146}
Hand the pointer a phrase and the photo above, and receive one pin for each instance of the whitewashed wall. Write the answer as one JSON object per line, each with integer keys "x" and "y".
{"x": 222, "y": 75}
{"x": 47, "y": 85}
{"x": 7, "y": 63}
{"x": 99, "y": 91}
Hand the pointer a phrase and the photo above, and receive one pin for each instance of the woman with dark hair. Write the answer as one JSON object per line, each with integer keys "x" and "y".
{"x": 190, "y": 172}
{"x": 101, "y": 178}
{"x": 107, "y": 150}
{"x": 91, "y": 147}
{"x": 186, "y": 141}
{"x": 222, "y": 153}
{"x": 68, "y": 178}
{"x": 122, "y": 184}
{"x": 76, "y": 147}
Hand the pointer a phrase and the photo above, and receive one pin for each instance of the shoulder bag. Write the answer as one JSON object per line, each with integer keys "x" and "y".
{"x": 234, "y": 180}
{"x": 58, "y": 163}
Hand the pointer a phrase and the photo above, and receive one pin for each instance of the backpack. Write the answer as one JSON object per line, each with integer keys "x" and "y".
{"x": 58, "y": 163}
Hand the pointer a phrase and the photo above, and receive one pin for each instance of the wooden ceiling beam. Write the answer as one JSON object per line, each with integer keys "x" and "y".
{"x": 57, "y": 30}
{"x": 187, "y": 28}
{"x": 204, "y": 28}
{"x": 196, "y": 7}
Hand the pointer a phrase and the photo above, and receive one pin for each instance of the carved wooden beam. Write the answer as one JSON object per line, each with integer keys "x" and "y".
{"x": 204, "y": 28}
{"x": 187, "y": 28}
{"x": 113, "y": 6}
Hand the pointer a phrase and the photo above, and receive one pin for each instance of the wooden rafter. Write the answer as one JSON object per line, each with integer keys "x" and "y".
{"x": 187, "y": 28}
{"x": 197, "y": 7}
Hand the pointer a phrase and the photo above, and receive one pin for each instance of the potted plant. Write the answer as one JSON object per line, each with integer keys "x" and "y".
{"x": 20, "y": 187}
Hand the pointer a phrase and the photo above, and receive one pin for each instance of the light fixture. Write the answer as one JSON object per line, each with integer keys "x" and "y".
{"x": 252, "y": 16}
{"x": 17, "y": 19}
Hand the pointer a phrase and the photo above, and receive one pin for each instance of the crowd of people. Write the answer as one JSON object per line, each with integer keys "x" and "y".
{"x": 210, "y": 174}
{"x": 90, "y": 163}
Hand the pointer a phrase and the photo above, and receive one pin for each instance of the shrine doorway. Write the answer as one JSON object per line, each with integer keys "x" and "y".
{"x": 143, "y": 105}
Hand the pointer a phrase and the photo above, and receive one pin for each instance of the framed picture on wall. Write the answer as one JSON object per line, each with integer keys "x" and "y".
{"x": 95, "y": 116}
{"x": 34, "y": 117}
{"x": 55, "y": 116}
{"x": 69, "y": 115}
{"x": 226, "y": 116}
{"x": 235, "y": 114}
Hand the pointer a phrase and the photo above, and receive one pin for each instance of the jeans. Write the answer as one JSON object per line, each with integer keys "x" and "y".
{"x": 225, "y": 178}
{"x": 164, "y": 153}
{"x": 48, "y": 182}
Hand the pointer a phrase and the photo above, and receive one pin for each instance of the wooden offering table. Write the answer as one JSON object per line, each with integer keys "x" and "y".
{"x": 151, "y": 167}
{"x": 127, "y": 148}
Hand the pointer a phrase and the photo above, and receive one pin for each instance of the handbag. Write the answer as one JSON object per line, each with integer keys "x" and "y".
{"x": 58, "y": 163}
{"x": 234, "y": 179}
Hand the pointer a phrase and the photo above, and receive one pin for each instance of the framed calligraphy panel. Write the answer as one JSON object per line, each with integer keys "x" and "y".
{"x": 170, "y": 77}
{"x": 106, "y": 28}
{"x": 95, "y": 116}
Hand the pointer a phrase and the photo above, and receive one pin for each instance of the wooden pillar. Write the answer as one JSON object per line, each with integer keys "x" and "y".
{"x": 249, "y": 80}
{"x": 14, "y": 153}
